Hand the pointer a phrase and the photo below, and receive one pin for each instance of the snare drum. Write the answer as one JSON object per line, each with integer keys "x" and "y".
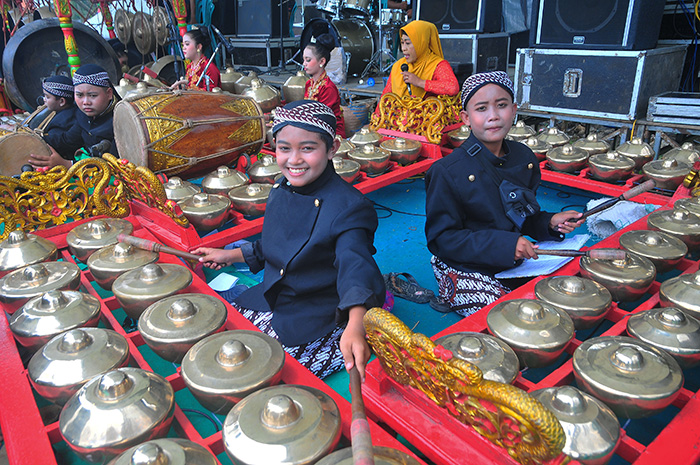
{"x": 328, "y": 6}
{"x": 356, "y": 7}
{"x": 15, "y": 149}
{"x": 187, "y": 133}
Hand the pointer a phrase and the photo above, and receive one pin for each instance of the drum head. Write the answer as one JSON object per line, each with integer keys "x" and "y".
{"x": 15, "y": 149}
{"x": 130, "y": 134}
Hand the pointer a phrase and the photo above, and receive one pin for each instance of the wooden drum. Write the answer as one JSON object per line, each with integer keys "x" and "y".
{"x": 15, "y": 148}
{"x": 187, "y": 133}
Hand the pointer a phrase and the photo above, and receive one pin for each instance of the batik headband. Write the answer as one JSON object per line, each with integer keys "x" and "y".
{"x": 59, "y": 86}
{"x": 306, "y": 114}
{"x": 477, "y": 81}
{"x": 93, "y": 75}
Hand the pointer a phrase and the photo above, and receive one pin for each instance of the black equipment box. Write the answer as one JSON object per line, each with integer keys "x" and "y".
{"x": 608, "y": 84}
{"x": 460, "y": 16}
{"x": 675, "y": 108}
{"x": 486, "y": 52}
{"x": 263, "y": 52}
{"x": 596, "y": 24}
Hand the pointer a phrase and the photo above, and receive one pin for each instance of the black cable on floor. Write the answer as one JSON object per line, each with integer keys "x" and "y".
{"x": 378, "y": 206}
{"x": 573, "y": 206}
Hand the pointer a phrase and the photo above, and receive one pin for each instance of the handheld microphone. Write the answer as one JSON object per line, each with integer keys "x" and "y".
{"x": 404, "y": 67}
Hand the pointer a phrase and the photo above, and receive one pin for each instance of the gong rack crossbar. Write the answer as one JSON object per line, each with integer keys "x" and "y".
{"x": 425, "y": 425}
{"x": 583, "y": 181}
{"x": 29, "y": 441}
{"x": 240, "y": 227}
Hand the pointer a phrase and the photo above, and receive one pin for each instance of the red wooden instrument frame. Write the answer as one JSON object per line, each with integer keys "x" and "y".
{"x": 29, "y": 441}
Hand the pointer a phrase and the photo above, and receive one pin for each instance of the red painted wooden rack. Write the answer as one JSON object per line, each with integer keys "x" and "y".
{"x": 411, "y": 414}
{"x": 31, "y": 442}
{"x": 585, "y": 182}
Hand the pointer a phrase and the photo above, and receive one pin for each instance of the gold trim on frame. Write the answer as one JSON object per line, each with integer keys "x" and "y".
{"x": 504, "y": 414}
{"x": 425, "y": 117}
{"x": 91, "y": 187}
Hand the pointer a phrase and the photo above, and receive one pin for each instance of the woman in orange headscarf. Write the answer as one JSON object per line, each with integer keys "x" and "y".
{"x": 426, "y": 71}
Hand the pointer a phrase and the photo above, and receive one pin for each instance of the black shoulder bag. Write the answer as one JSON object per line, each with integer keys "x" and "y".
{"x": 518, "y": 202}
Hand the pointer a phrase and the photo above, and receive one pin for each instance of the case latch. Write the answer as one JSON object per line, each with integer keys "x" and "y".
{"x": 572, "y": 82}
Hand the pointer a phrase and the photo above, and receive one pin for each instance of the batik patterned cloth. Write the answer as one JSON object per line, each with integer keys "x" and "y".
{"x": 466, "y": 292}
{"x": 322, "y": 357}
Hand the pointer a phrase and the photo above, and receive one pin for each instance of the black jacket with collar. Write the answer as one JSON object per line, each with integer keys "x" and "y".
{"x": 86, "y": 132}
{"x": 466, "y": 226}
{"x": 316, "y": 249}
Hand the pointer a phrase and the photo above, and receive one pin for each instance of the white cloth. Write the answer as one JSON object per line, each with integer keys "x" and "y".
{"x": 621, "y": 215}
{"x": 337, "y": 67}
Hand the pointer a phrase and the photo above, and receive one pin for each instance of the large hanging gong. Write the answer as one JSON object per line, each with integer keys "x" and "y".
{"x": 37, "y": 50}
{"x": 142, "y": 33}
{"x": 160, "y": 25}
{"x": 122, "y": 25}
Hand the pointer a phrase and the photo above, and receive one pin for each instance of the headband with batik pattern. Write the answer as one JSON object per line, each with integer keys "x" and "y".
{"x": 59, "y": 86}
{"x": 477, "y": 81}
{"x": 306, "y": 114}
{"x": 93, "y": 75}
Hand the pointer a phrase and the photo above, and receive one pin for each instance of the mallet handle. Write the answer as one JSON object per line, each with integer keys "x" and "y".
{"x": 362, "y": 449}
{"x": 146, "y": 244}
{"x": 596, "y": 254}
{"x": 635, "y": 191}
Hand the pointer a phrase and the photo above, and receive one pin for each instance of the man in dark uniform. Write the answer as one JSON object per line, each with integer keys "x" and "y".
{"x": 95, "y": 98}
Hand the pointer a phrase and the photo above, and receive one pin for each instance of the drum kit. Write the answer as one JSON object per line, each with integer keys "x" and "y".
{"x": 366, "y": 33}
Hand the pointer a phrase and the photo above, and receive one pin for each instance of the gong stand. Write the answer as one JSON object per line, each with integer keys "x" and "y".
{"x": 107, "y": 17}
{"x": 174, "y": 39}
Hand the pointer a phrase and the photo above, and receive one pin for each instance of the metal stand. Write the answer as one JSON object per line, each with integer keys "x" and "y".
{"x": 377, "y": 61}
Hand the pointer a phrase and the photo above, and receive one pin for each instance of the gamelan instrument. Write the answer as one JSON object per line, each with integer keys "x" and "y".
{"x": 187, "y": 133}
{"x": 15, "y": 149}
{"x": 37, "y": 50}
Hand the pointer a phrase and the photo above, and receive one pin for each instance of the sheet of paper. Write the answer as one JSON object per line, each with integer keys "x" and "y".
{"x": 546, "y": 264}
{"x": 223, "y": 282}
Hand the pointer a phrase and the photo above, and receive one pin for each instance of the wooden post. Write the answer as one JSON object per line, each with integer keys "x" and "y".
{"x": 64, "y": 13}
{"x": 107, "y": 17}
{"x": 180, "y": 10}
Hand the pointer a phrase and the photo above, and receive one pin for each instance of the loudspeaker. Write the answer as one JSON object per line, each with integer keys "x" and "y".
{"x": 461, "y": 16}
{"x": 596, "y": 24}
{"x": 262, "y": 17}
{"x": 224, "y": 16}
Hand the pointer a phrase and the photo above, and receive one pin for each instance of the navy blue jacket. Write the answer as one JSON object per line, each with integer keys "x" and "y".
{"x": 87, "y": 132}
{"x": 466, "y": 226}
{"x": 316, "y": 249}
{"x": 61, "y": 122}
